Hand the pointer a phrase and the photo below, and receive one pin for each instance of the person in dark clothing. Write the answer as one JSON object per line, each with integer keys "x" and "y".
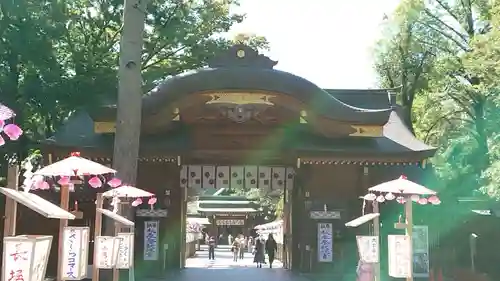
{"x": 211, "y": 248}
{"x": 259, "y": 255}
{"x": 271, "y": 248}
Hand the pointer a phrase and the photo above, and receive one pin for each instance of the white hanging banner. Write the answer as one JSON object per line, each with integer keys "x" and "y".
{"x": 250, "y": 177}
{"x": 208, "y": 178}
{"x": 194, "y": 177}
{"x": 237, "y": 177}
{"x": 75, "y": 253}
{"x": 106, "y": 248}
{"x": 420, "y": 240}
{"x": 399, "y": 256}
{"x": 265, "y": 178}
{"x": 184, "y": 176}
{"x": 325, "y": 242}
{"x": 25, "y": 257}
{"x": 151, "y": 240}
{"x": 368, "y": 248}
{"x": 222, "y": 179}
{"x": 125, "y": 251}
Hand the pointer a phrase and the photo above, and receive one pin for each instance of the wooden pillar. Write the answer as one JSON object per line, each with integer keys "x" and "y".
{"x": 301, "y": 246}
{"x": 10, "y": 204}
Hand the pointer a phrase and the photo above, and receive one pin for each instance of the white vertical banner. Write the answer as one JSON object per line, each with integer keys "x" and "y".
{"x": 25, "y": 257}
{"x": 278, "y": 178}
{"x": 250, "y": 177}
{"x": 194, "y": 177}
{"x": 237, "y": 177}
{"x": 368, "y": 248}
{"x": 399, "y": 256}
{"x": 420, "y": 240}
{"x": 151, "y": 240}
{"x": 265, "y": 178}
{"x": 75, "y": 253}
{"x": 325, "y": 242}
{"x": 208, "y": 178}
{"x": 184, "y": 176}
{"x": 125, "y": 251}
{"x": 222, "y": 180}
{"x": 106, "y": 248}
{"x": 290, "y": 176}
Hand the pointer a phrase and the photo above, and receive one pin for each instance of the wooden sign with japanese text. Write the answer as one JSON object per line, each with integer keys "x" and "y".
{"x": 75, "y": 253}
{"x": 368, "y": 248}
{"x": 25, "y": 257}
{"x": 151, "y": 251}
{"x": 325, "y": 242}
{"x": 125, "y": 251}
{"x": 106, "y": 248}
{"x": 399, "y": 256}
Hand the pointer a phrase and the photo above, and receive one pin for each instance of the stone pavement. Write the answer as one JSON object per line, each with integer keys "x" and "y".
{"x": 200, "y": 268}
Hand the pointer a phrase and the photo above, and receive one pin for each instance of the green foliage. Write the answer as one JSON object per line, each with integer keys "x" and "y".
{"x": 445, "y": 54}
{"x": 59, "y": 56}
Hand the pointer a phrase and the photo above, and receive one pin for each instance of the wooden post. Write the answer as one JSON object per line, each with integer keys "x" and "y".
{"x": 376, "y": 232}
{"x": 62, "y": 224}
{"x": 97, "y": 232}
{"x": 409, "y": 232}
{"x": 10, "y": 204}
{"x": 116, "y": 271}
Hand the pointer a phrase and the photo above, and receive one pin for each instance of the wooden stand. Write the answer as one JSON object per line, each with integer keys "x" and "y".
{"x": 409, "y": 232}
{"x": 62, "y": 224}
{"x": 376, "y": 232}
{"x": 10, "y": 204}
{"x": 97, "y": 232}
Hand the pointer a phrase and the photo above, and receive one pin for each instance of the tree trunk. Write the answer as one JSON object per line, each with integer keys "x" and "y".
{"x": 128, "y": 121}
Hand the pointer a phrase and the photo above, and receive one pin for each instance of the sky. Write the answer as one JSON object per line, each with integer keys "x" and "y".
{"x": 328, "y": 42}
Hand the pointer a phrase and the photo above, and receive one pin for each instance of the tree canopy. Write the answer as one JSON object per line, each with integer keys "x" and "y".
{"x": 60, "y": 56}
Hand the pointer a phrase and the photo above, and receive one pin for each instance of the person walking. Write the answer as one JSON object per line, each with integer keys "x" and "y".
{"x": 230, "y": 239}
{"x": 271, "y": 248}
{"x": 249, "y": 244}
{"x": 211, "y": 248}
{"x": 259, "y": 255}
{"x": 235, "y": 248}
{"x": 242, "y": 245}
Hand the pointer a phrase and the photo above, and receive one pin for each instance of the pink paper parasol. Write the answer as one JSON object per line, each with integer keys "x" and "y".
{"x": 127, "y": 191}
{"x": 402, "y": 186}
{"x": 74, "y": 166}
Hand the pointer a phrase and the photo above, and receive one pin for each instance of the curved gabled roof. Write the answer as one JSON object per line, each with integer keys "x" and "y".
{"x": 248, "y": 79}
{"x": 242, "y": 69}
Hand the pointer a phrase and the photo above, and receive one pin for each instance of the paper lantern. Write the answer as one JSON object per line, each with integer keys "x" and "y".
{"x": 75, "y": 253}
{"x": 95, "y": 182}
{"x": 389, "y": 196}
{"x": 137, "y": 202}
{"x": 125, "y": 251}
{"x": 25, "y": 257}
{"x": 422, "y": 201}
{"x": 114, "y": 182}
{"x": 434, "y": 200}
{"x": 64, "y": 180}
{"x": 370, "y": 197}
{"x": 106, "y": 251}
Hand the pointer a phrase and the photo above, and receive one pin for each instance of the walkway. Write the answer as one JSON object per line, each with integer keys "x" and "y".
{"x": 200, "y": 268}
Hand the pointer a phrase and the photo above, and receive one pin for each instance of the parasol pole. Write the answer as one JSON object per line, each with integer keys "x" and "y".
{"x": 409, "y": 233}
{"x": 376, "y": 232}
{"x": 97, "y": 232}
{"x": 62, "y": 224}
